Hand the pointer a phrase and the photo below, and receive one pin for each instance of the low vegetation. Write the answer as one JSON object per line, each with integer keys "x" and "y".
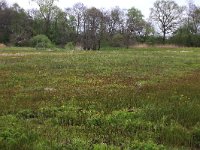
{"x": 141, "y": 98}
{"x": 41, "y": 42}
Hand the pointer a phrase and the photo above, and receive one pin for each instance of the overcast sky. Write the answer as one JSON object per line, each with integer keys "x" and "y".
{"x": 143, "y": 5}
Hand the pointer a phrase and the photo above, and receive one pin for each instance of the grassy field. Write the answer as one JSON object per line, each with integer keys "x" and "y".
{"x": 142, "y": 98}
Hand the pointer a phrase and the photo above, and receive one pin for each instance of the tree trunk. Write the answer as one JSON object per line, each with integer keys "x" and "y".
{"x": 99, "y": 44}
{"x": 164, "y": 36}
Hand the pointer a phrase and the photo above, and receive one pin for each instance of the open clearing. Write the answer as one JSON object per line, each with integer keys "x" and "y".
{"x": 141, "y": 98}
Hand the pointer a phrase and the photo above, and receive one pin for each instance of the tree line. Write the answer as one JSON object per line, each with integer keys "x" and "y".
{"x": 92, "y": 28}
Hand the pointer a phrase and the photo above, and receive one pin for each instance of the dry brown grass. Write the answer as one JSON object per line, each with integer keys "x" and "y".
{"x": 140, "y": 46}
{"x": 167, "y": 46}
{"x": 157, "y": 46}
{"x": 2, "y": 45}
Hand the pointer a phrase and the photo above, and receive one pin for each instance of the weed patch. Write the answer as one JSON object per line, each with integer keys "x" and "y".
{"x": 141, "y": 98}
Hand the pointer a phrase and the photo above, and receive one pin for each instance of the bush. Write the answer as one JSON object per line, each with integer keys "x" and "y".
{"x": 15, "y": 134}
{"x": 152, "y": 40}
{"x": 196, "y": 136}
{"x": 27, "y": 114}
{"x": 184, "y": 37}
{"x": 69, "y": 46}
{"x": 146, "y": 146}
{"x": 41, "y": 41}
{"x": 117, "y": 40}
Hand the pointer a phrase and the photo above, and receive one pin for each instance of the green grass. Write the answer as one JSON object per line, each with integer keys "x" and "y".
{"x": 142, "y": 98}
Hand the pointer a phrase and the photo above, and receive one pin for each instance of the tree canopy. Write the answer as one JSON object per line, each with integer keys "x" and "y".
{"x": 168, "y": 15}
{"x": 92, "y": 28}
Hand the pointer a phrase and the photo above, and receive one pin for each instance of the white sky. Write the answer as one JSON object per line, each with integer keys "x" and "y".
{"x": 143, "y": 5}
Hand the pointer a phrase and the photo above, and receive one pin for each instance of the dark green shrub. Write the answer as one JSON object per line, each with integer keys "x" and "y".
{"x": 27, "y": 114}
{"x": 146, "y": 146}
{"x": 117, "y": 40}
{"x": 17, "y": 138}
{"x": 174, "y": 134}
{"x": 15, "y": 134}
{"x": 70, "y": 46}
{"x": 184, "y": 37}
{"x": 41, "y": 42}
{"x": 196, "y": 135}
{"x": 95, "y": 120}
{"x": 152, "y": 40}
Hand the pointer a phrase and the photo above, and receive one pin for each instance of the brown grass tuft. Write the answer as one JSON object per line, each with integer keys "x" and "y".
{"x": 156, "y": 46}
{"x": 2, "y": 45}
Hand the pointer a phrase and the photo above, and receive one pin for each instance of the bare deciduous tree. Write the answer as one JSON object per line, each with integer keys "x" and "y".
{"x": 115, "y": 20}
{"x": 167, "y": 14}
{"x": 92, "y": 28}
{"x": 78, "y": 12}
{"x": 194, "y": 17}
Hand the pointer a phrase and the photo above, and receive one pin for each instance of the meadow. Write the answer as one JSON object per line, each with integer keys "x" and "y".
{"x": 139, "y": 98}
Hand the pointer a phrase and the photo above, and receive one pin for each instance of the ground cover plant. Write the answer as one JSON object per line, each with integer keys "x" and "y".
{"x": 140, "y": 98}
